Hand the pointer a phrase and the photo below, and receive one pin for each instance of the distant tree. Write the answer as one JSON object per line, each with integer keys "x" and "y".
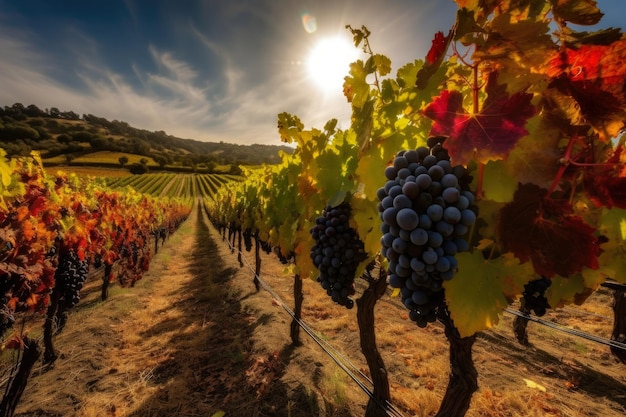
{"x": 100, "y": 143}
{"x": 160, "y": 159}
{"x": 17, "y": 132}
{"x": 140, "y": 146}
{"x": 70, "y": 115}
{"x": 138, "y": 168}
{"x": 82, "y": 136}
{"x": 210, "y": 166}
{"x": 69, "y": 157}
{"x": 54, "y": 112}
{"x": 123, "y": 160}
{"x": 235, "y": 170}
{"x": 143, "y": 161}
{"x": 64, "y": 139}
{"x": 34, "y": 111}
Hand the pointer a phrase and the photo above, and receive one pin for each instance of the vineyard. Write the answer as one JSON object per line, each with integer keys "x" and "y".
{"x": 174, "y": 185}
{"x": 476, "y": 198}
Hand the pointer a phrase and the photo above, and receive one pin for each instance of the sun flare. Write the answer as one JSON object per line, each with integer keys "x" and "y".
{"x": 329, "y": 62}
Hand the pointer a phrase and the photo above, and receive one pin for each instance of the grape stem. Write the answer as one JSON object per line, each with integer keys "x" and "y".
{"x": 587, "y": 164}
{"x": 563, "y": 167}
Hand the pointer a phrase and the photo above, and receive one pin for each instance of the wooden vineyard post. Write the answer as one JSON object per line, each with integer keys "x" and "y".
{"x": 106, "y": 279}
{"x": 378, "y": 371}
{"x": 298, "y": 297}
{"x": 463, "y": 375}
{"x": 17, "y": 383}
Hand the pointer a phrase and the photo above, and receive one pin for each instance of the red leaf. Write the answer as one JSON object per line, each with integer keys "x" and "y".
{"x": 594, "y": 75}
{"x": 605, "y": 184}
{"x": 546, "y": 232}
{"x": 437, "y": 49}
{"x": 489, "y": 135}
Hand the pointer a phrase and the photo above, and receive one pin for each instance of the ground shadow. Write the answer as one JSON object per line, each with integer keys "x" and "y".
{"x": 216, "y": 368}
{"x": 594, "y": 383}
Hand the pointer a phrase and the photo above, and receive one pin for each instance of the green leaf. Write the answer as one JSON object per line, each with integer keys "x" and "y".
{"x": 613, "y": 258}
{"x": 564, "y": 291}
{"x": 482, "y": 289}
{"x": 498, "y": 184}
{"x": 579, "y": 12}
{"x": 382, "y": 64}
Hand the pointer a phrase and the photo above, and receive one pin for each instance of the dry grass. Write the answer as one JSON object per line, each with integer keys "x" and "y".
{"x": 193, "y": 338}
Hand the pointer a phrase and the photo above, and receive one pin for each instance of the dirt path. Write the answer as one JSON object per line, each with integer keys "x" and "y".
{"x": 194, "y": 338}
{"x": 181, "y": 343}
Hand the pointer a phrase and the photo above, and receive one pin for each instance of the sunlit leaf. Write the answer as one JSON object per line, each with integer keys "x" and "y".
{"x": 489, "y": 135}
{"x": 482, "y": 289}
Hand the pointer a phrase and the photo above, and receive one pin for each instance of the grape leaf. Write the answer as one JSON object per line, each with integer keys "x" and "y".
{"x": 613, "y": 257}
{"x": 564, "y": 291}
{"x": 498, "y": 184}
{"x": 366, "y": 220}
{"x": 306, "y": 269}
{"x": 605, "y": 184}
{"x": 536, "y": 156}
{"x": 579, "y": 12}
{"x": 489, "y": 135}
{"x": 547, "y": 232}
{"x": 482, "y": 289}
{"x": 594, "y": 76}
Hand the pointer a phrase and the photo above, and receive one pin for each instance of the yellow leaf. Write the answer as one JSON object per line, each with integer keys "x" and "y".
{"x": 534, "y": 385}
{"x": 482, "y": 289}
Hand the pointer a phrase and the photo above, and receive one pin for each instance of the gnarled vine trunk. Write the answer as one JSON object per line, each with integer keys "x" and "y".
{"x": 619, "y": 318}
{"x": 17, "y": 384}
{"x": 106, "y": 280}
{"x": 463, "y": 380}
{"x": 376, "y": 407}
{"x": 520, "y": 325}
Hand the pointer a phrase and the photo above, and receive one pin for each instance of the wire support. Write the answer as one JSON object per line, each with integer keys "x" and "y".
{"x": 344, "y": 363}
{"x": 573, "y": 332}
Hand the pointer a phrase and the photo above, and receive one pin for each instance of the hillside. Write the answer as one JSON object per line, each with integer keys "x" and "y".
{"x": 66, "y": 137}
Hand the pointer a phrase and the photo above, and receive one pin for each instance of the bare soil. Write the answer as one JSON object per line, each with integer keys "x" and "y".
{"x": 195, "y": 338}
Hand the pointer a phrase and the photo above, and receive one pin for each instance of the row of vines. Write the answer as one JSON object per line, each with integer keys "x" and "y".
{"x": 174, "y": 185}
{"x": 494, "y": 165}
{"x": 53, "y": 230}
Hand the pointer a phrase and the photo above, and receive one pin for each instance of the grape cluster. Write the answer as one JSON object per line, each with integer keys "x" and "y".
{"x": 70, "y": 276}
{"x": 427, "y": 211}
{"x": 337, "y": 253}
{"x": 533, "y": 297}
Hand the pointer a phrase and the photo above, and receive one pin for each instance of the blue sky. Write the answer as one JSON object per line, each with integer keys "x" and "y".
{"x": 216, "y": 70}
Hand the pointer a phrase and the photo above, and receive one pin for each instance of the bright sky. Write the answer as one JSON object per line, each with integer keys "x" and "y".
{"x": 215, "y": 70}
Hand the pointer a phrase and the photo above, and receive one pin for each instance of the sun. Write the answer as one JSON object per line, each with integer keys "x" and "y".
{"x": 329, "y": 62}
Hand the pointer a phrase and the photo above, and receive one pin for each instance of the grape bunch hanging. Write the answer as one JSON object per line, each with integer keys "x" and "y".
{"x": 70, "y": 276}
{"x": 337, "y": 253}
{"x": 534, "y": 296}
{"x": 427, "y": 211}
